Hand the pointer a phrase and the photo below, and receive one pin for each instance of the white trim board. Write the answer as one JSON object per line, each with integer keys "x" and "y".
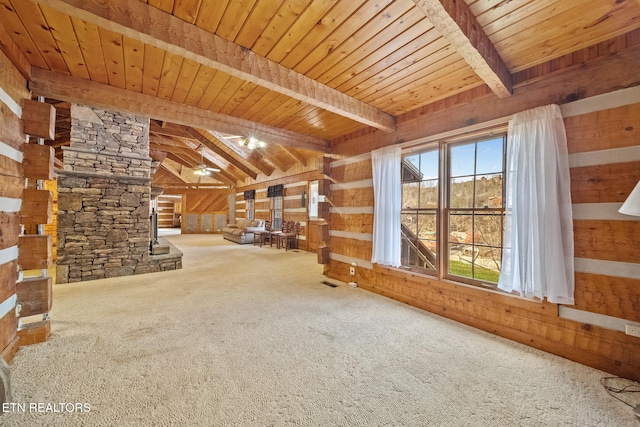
{"x": 349, "y": 260}
{"x": 601, "y": 211}
{"x": 362, "y": 183}
{"x": 366, "y": 237}
{"x": 10, "y": 152}
{"x": 11, "y": 103}
{"x": 7, "y": 305}
{"x": 605, "y": 101}
{"x": 351, "y": 210}
{"x": 607, "y": 268}
{"x": 596, "y": 319}
{"x": 605, "y": 157}
{"x": 8, "y": 254}
{"x": 352, "y": 159}
{"x": 10, "y": 204}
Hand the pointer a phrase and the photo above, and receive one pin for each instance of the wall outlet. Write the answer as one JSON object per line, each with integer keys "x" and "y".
{"x": 633, "y": 330}
{"x": 352, "y": 271}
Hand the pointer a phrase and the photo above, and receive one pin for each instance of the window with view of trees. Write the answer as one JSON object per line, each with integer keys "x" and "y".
{"x": 453, "y": 218}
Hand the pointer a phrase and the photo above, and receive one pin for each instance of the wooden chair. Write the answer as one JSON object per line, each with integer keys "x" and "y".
{"x": 274, "y": 236}
{"x": 263, "y": 236}
{"x": 289, "y": 238}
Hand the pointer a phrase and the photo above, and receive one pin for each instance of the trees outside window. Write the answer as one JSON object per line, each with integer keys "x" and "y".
{"x": 453, "y": 210}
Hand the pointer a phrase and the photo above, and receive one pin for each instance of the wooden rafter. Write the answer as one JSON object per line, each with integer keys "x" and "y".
{"x": 81, "y": 91}
{"x": 152, "y": 26}
{"x": 456, "y": 23}
{"x": 273, "y": 159}
{"x": 209, "y": 141}
{"x": 295, "y": 155}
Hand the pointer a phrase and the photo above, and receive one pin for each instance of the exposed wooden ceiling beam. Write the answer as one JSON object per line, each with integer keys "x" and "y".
{"x": 172, "y": 171}
{"x": 209, "y": 141}
{"x": 150, "y": 25}
{"x": 456, "y": 23}
{"x": 186, "y": 149}
{"x": 295, "y": 155}
{"x": 81, "y": 91}
{"x": 262, "y": 166}
{"x": 273, "y": 159}
{"x": 226, "y": 168}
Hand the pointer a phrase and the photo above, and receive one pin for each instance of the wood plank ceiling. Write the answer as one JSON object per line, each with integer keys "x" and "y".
{"x": 294, "y": 73}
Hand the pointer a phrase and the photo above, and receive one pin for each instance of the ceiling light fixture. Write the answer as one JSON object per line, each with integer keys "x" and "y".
{"x": 202, "y": 169}
{"x": 252, "y": 143}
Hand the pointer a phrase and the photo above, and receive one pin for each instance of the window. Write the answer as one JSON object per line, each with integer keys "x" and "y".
{"x": 250, "y": 209}
{"x": 453, "y": 210}
{"x": 420, "y": 195}
{"x": 276, "y": 213}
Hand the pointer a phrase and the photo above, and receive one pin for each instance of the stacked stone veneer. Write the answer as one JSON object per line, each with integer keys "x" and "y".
{"x": 104, "y": 197}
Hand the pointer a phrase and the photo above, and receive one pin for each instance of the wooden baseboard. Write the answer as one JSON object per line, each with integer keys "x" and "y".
{"x": 34, "y": 333}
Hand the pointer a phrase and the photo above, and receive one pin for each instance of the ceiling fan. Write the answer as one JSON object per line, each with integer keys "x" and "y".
{"x": 202, "y": 168}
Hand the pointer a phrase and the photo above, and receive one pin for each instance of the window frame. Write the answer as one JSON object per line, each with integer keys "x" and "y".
{"x": 444, "y": 209}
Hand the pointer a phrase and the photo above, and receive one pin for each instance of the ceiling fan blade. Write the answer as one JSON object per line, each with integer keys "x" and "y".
{"x": 212, "y": 169}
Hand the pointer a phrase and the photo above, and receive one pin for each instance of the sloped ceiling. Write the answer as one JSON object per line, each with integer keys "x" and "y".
{"x": 293, "y": 73}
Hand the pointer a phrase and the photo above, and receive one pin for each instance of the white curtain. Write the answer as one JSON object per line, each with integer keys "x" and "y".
{"x": 538, "y": 242}
{"x": 387, "y": 193}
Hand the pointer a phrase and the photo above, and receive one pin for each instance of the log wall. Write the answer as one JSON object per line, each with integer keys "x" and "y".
{"x": 295, "y": 183}
{"x": 604, "y": 146}
{"x": 13, "y": 90}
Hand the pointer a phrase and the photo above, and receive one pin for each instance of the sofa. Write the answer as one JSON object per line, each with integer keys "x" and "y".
{"x": 243, "y": 230}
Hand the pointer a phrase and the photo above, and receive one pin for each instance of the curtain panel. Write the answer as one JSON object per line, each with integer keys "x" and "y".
{"x": 250, "y": 194}
{"x": 387, "y": 191}
{"x": 275, "y": 190}
{"x": 538, "y": 241}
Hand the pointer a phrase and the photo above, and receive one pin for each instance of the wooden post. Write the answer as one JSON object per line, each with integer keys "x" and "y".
{"x": 39, "y": 119}
{"x": 37, "y": 207}
{"x": 38, "y": 161}
{"x": 34, "y": 251}
{"x": 35, "y": 296}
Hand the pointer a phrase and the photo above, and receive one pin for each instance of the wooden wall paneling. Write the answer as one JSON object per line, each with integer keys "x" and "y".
{"x": 35, "y": 296}
{"x": 37, "y": 207}
{"x": 11, "y": 186}
{"x": 39, "y": 161}
{"x": 13, "y": 84}
{"x": 357, "y": 223}
{"x": 8, "y": 328}
{"x": 360, "y": 249}
{"x": 604, "y": 183}
{"x": 528, "y": 322}
{"x": 611, "y": 296}
{"x": 34, "y": 252}
{"x": 8, "y": 278}
{"x": 607, "y": 240}
{"x": 10, "y": 226}
{"x": 352, "y": 171}
{"x": 602, "y": 130}
{"x": 352, "y": 197}
{"x": 10, "y": 167}
{"x": 10, "y": 126}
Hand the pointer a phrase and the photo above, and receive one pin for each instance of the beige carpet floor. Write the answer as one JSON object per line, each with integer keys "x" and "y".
{"x": 249, "y": 336}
